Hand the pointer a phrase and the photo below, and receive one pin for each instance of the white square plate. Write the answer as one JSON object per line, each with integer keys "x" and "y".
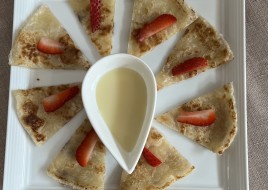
{"x": 25, "y": 164}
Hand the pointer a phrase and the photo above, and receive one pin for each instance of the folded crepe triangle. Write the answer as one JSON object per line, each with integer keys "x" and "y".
{"x": 200, "y": 40}
{"x": 38, "y": 123}
{"x": 66, "y": 170}
{"x": 173, "y": 167}
{"x": 145, "y": 11}
{"x": 102, "y": 37}
{"x": 216, "y": 137}
{"x": 43, "y": 24}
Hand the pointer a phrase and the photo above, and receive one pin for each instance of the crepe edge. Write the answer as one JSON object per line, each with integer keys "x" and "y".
{"x": 17, "y": 92}
{"x": 228, "y": 139}
{"x": 13, "y": 60}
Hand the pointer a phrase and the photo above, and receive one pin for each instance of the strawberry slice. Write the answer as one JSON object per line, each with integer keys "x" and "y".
{"x": 150, "y": 157}
{"x": 197, "y": 118}
{"x": 189, "y": 65}
{"x": 50, "y": 46}
{"x": 95, "y": 14}
{"x": 157, "y": 25}
{"x": 55, "y": 101}
{"x": 84, "y": 151}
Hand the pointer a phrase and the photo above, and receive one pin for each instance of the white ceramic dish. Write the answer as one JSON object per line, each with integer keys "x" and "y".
{"x": 127, "y": 160}
{"x": 25, "y": 164}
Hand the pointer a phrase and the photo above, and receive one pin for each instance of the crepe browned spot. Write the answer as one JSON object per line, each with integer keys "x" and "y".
{"x": 200, "y": 39}
{"x": 39, "y": 124}
{"x": 102, "y": 38}
{"x": 218, "y": 136}
{"x": 145, "y": 11}
{"x": 66, "y": 170}
{"x": 173, "y": 167}
{"x": 42, "y": 23}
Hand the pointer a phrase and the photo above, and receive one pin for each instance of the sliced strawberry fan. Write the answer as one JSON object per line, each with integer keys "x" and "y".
{"x": 85, "y": 149}
{"x": 95, "y": 14}
{"x": 55, "y": 101}
{"x": 198, "y": 118}
{"x": 50, "y": 46}
{"x": 151, "y": 158}
{"x": 189, "y": 65}
{"x": 160, "y": 23}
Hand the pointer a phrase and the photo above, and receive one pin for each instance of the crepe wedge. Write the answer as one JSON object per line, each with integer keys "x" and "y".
{"x": 173, "y": 167}
{"x": 102, "y": 38}
{"x": 216, "y": 137}
{"x": 42, "y": 23}
{"x": 38, "y": 123}
{"x": 144, "y": 11}
{"x": 200, "y": 39}
{"x": 66, "y": 170}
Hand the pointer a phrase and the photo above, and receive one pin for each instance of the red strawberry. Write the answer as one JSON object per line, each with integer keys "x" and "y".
{"x": 95, "y": 14}
{"x": 84, "y": 151}
{"x": 150, "y": 157}
{"x": 189, "y": 65}
{"x": 157, "y": 25}
{"x": 55, "y": 101}
{"x": 198, "y": 118}
{"x": 50, "y": 46}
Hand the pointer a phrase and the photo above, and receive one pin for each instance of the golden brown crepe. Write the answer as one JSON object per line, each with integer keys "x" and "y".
{"x": 66, "y": 170}
{"x": 145, "y": 11}
{"x": 44, "y": 24}
{"x": 102, "y": 38}
{"x": 39, "y": 124}
{"x": 216, "y": 137}
{"x": 173, "y": 167}
{"x": 200, "y": 39}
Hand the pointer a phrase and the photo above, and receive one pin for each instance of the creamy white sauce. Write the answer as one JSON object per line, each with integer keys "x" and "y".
{"x": 122, "y": 98}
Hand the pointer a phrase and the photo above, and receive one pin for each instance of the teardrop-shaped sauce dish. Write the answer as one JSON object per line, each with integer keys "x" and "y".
{"x": 119, "y": 96}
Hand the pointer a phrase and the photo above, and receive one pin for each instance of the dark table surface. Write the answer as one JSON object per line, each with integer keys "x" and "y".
{"x": 257, "y": 87}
